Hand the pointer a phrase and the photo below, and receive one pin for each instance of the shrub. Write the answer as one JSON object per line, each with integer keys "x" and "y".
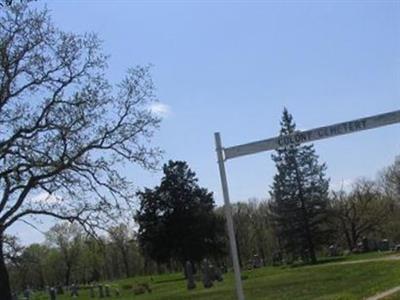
{"x": 139, "y": 290}
{"x": 126, "y": 286}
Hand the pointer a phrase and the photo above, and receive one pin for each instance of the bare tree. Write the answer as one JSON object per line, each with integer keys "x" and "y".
{"x": 361, "y": 212}
{"x": 64, "y": 129}
{"x": 12, "y": 249}
{"x": 390, "y": 180}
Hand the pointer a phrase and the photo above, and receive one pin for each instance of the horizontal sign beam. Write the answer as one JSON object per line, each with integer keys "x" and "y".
{"x": 325, "y": 132}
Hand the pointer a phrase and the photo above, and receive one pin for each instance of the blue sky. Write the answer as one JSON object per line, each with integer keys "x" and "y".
{"x": 232, "y": 67}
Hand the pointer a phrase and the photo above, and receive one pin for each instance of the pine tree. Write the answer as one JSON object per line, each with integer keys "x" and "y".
{"x": 299, "y": 194}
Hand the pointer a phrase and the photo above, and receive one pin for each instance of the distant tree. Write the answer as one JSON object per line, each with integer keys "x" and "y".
{"x": 241, "y": 214}
{"x": 299, "y": 194}
{"x": 364, "y": 211}
{"x": 68, "y": 239}
{"x": 252, "y": 230}
{"x": 64, "y": 129}
{"x": 54, "y": 266}
{"x": 122, "y": 238}
{"x": 31, "y": 266}
{"x": 69, "y": 255}
{"x": 176, "y": 219}
{"x": 390, "y": 180}
{"x": 262, "y": 233}
{"x": 93, "y": 259}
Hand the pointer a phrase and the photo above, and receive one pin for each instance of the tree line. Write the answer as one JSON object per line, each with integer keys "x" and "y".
{"x": 178, "y": 221}
{"x": 69, "y": 256}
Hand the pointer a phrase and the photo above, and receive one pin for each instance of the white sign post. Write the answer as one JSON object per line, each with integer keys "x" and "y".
{"x": 228, "y": 216}
{"x": 298, "y": 137}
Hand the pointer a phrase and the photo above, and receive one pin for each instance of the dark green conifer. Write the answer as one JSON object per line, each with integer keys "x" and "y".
{"x": 299, "y": 194}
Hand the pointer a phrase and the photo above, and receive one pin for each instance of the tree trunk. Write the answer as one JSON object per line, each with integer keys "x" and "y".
{"x": 308, "y": 234}
{"x": 262, "y": 252}
{"x": 238, "y": 250}
{"x": 5, "y": 290}
{"x": 354, "y": 235}
{"x": 306, "y": 223}
{"x": 348, "y": 238}
{"x": 126, "y": 262}
{"x": 311, "y": 247}
{"x": 309, "y": 238}
{"x": 146, "y": 265}
{"x": 68, "y": 274}
{"x": 41, "y": 274}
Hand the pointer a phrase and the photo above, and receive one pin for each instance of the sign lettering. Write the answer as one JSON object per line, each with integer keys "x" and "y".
{"x": 301, "y": 137}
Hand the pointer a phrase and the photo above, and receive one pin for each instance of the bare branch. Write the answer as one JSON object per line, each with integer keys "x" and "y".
{"x": 64, "y": 129}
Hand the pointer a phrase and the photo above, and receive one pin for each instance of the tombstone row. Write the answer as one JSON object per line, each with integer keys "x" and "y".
{"x": 210, "y": 273}
{"x": 103, "y": 291}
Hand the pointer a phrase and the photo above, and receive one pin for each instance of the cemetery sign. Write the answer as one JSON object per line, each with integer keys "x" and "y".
{"x": 296, "y": 138}
{"x": 314, "y": 134}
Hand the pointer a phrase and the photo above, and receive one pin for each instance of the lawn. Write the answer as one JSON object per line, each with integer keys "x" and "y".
{"x": 393, "y": 297}
{"x": 322, "y": 281}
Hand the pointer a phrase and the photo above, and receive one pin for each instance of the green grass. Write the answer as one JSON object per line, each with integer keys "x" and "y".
{"x": 393, "y": 297}
{"x": 322, "y": 282}
{"x": 355, "y": 257}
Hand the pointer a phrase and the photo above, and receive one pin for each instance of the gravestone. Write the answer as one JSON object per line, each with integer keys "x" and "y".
{"x": 218, "y": 274}
{"x": 365, "y": 244}
{"x": 52, "y": 293}
{"x": 212, "y": 272}
{"x": 101, "y": 291}
{"x": 277, "y": 258}
{"x": 189, "y": 276}
{"x": 27, "y": 294}
{"x": 207, "y": 280}
{"x": 256, "y": 261}
{"x": 384, "y": 246}
{"x": 74, "y": 291}
{"x": 60, "y": 290}
{"x": 107, "y": 289}
{"x": 224, "y": 268}
{"x": 333, "y": 251}
{"x": 14, "y": 296}
{"x": 91, "y": 291}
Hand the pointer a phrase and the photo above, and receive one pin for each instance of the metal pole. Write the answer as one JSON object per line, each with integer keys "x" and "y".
{"x": 228, "y": 215}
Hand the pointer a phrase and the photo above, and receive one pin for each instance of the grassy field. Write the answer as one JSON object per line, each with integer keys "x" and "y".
{"x": 393, "y": 297}
{"x": 333, "y": 279}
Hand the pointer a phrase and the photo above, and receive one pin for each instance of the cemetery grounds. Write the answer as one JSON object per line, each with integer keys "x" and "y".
{"x": 341, "y": 278}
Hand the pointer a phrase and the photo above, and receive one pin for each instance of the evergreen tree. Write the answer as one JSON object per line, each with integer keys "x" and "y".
{"x": 299, "y": 193}
{"x": 177, "y": 219}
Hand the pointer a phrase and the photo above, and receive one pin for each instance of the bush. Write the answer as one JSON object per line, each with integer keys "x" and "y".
{"x": 139, "y": 290}
{"x": 142, "y": 288}
{"x": 126, "y": 286}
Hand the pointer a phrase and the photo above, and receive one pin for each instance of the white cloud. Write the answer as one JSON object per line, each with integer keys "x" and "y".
{"x": 160, "y": 109}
